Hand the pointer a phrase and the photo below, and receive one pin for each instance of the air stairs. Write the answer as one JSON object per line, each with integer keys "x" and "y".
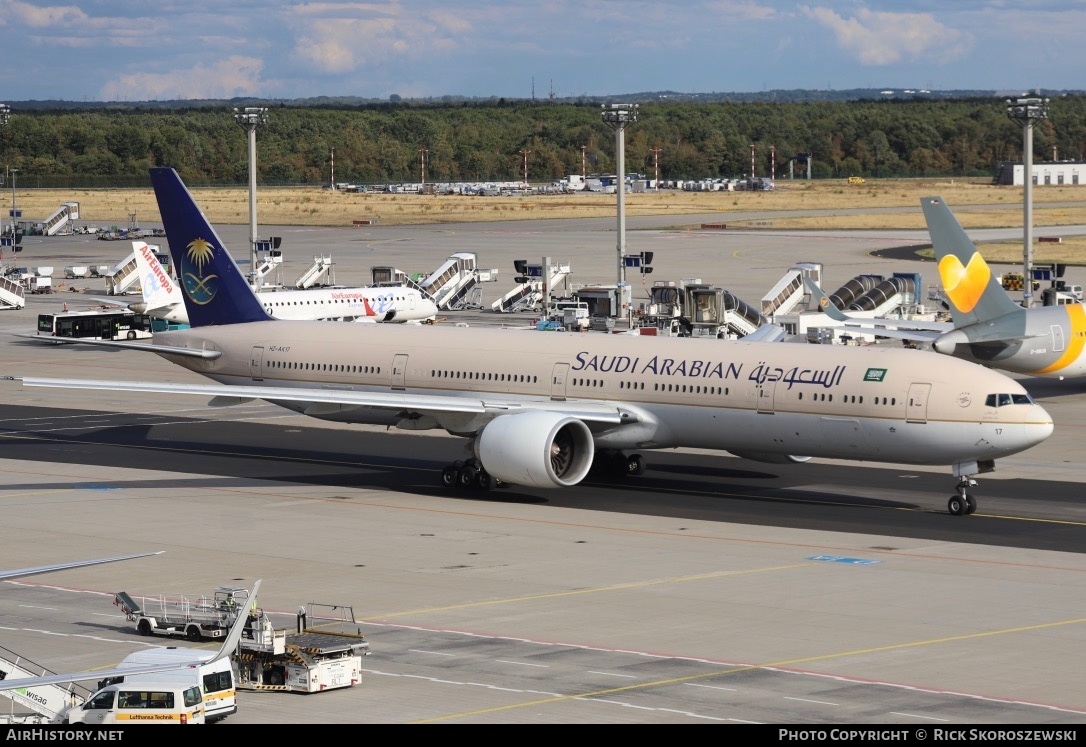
{"x": 323, "y": 271}
{"x": 12, "y": 294}
{"x": 64, "y": 215}
{"x": 455, "y": 285}
{"x": 47, "y": 703}
{"x": 270, "y": 264}
{"x": 789, "y": 292}
{"x": 121, "y": 278}
{"x": 528, "y": 295}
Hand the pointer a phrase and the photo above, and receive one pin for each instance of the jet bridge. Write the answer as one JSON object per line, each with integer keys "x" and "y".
{"x": 36, "y": 705}
{"x": 715, "y": 312}
{"x": 889, "y": 295}
{"x": 844, "y": 296}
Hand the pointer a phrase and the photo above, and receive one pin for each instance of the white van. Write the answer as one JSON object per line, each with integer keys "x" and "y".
{"x": 148, "y": 702}
{"x": 214, "y": 678}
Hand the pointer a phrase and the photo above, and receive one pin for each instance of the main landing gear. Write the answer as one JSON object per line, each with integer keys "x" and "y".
{"x": 468, "y": 474}
{"x": 963, "y": 503}
{"x": 613, "y": 463}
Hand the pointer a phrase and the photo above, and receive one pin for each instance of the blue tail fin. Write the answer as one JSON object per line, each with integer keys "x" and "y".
{"x": 214, "y": 289}
{"x": 974, "y": 293}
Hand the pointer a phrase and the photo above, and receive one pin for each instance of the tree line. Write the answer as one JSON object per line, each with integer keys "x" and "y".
{"x": 392, "y": 142}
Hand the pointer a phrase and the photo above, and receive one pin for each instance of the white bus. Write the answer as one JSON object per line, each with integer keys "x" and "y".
{"x": 114, "y": 324}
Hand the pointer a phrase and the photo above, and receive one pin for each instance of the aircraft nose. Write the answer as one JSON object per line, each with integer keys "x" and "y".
{"x": 1040, "y": 423}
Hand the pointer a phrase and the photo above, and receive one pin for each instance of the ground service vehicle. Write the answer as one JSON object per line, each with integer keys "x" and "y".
{"x": 151, "y": 702}
{"x": 116, "y": 324}
{"x": 205, "y": 617}
{"x": 325, "y": 657}
{"x": 214, "y": 678}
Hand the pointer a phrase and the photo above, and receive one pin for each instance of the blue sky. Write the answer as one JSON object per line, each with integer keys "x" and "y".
{"x": 116, "y": 50}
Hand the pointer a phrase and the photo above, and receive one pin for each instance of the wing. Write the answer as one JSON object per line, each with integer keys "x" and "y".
{"x": 905, "y": 328}
{"x": 328, "y": 401}
{"x": 230, "y": 644}
{"x": 144, "y": 347}
{"x": 36, "y": 569}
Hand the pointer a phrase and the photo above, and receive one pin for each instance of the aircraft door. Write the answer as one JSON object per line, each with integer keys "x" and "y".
{"x": 766, "y": 392}
{"x": 1057, "y": 338}
{"x": 256, "y": 363}
{"x": 411, "y": 301}
{"x": 916, "y": 409}
{"x": 558, "y": 380}
{"x": 399, "y": 371}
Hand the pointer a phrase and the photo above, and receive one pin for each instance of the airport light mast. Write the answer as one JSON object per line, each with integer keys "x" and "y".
{"x": 249, "y": 118}
{"x": 5, "y": 116}
{"x": 422, "y": 166}
{"x": 525, "y": 154}
{"x": 656, "y": 162}
{"x": 618, "y": 116}
{"x": 1027, "y": 111}
{"x": 14, "y": 212}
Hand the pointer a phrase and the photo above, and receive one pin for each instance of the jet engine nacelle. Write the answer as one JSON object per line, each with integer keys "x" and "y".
{"x": 946, "y": 342}
{"x": 770, "y": 457}
{"x": 537, "y": 449}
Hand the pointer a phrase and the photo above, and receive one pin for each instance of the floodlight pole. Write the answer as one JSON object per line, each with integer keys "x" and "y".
{"x": 525, "y": 154}
{"x": 618, "y": 116}
{"x": 249, "y": 118}
{"x": 5, "y": 115}
{"x": 14, "y": 212}
{"x": 1027, "y": 111}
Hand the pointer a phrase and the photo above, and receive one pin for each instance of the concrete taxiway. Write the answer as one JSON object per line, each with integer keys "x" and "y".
{"x": 712, "y": 590}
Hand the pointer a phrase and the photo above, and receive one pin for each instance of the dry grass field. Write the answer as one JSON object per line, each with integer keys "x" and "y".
{"x": 1053, "y": 206}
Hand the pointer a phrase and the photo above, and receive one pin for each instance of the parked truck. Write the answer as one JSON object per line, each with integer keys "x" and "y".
{"x": 323, "y": 653}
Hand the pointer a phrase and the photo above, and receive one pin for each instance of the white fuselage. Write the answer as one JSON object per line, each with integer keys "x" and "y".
{"x": 879, "y": 404}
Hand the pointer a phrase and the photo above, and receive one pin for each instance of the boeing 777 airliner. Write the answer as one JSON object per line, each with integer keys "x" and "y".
{"x": 539, "y": 409}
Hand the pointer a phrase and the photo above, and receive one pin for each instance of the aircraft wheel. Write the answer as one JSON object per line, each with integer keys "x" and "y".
{"x": 635, "y": 465}
{"x": 956, "y": 505}
{"x": 448, "y": 477}
{"x": 465, "y": 478}
{"x": 485, "y": 481}
{"x": 192, "y": 633}
{"x": 144, "y": 627}
{"x": 970, "y": 504}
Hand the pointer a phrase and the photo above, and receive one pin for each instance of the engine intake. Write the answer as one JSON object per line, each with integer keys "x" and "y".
{"x": 537, "y": 449}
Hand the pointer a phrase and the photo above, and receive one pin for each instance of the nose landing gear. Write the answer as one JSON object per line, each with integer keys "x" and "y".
{"x": 963, "y": 503}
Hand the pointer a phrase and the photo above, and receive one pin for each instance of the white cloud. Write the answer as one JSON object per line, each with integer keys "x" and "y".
{"x": 232, "y": 76}
{"x": 881, "y": 38}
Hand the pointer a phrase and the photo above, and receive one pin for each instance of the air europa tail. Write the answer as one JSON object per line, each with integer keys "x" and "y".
{"x": 974, "y": 293}
{"x": 214, "y": 289}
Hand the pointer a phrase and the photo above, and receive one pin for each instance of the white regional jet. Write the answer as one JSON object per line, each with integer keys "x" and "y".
{"x": 540, "y": 409}
{"x": 162, "y": 299}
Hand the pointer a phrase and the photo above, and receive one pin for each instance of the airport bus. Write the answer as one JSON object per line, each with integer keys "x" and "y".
{"x": 113, "y": 324}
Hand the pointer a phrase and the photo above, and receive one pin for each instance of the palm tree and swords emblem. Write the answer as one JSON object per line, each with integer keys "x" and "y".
{"x": 199, "y": 288}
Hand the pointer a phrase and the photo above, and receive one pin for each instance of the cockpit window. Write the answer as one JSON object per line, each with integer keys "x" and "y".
{"x": 999, "y": 400}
